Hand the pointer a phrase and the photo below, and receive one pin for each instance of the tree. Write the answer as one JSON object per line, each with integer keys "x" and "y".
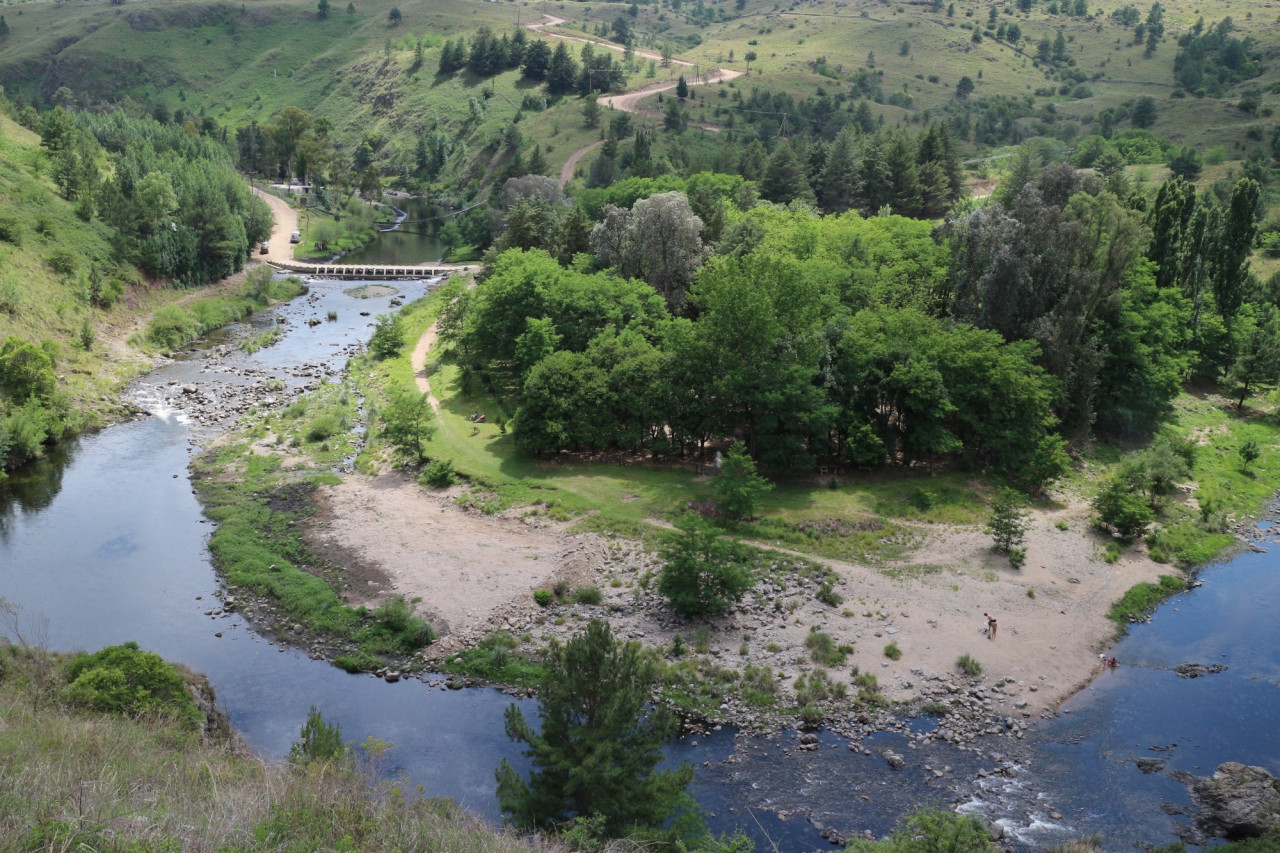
{"x": 1122, "y": 510}
{"x": 394, "y": 17}
{"x": 1144, "y": 112}
{"x": 562, "y": 72}
{"x": 1185, "y": 163}
{"x": 599, "y": 744}
{"x": 388, "y": 337}
{"x": 1249, "y": 453}
{"x": 965, "y": 87}
{"x": 682, "y": 88}
{"x": 591, "y": 112}
{"x": 659, "y": 240}
{"x": 738, "y": 487}
{"x": 704, "y": 574}
{"x": 318, "y": 740}
{"x": 1008, "y": 523}
{"x": 1258, "y": 351}
{"x": 322, "y": 9}
{"x": 407, "y": 423}
{"x": 750, "y": 57}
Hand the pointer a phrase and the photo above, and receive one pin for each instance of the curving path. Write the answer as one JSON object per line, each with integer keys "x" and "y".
{"x": 540, "y": 25}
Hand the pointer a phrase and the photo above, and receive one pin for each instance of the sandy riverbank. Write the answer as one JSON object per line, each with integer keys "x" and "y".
{"x": 476, "y": 574}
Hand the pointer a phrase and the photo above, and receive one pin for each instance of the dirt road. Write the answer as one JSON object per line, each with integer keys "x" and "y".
{"x": 540, "y": 25}
{"x": 286, "y": 222}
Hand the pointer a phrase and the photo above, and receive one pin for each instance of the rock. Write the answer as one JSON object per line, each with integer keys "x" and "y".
{"x": 895, "y": 761}
{"x": 1150, "y": 765}
{"x": 1238, "y": 801}
{"x": 1195, "y": 670}
{"x": 808, "y": 738}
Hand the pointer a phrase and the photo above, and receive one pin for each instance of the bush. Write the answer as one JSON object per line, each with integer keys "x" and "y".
{"x": 440, "y": 474}
{"x": 1143, "y": 598}
{"x": 828, "y": 595}
{"x": 892, "y": 652}
{"x": 543, "y": 597}
{"x": 172, "y": 327}
{"x": 738, "y": 487}
{"x": 125, "y": 680}
{"x": 588, "y": 595}
{"x": 969, "y": 665}
{"x": 319, "y": 741}
{"x": 823, "y": 649}
{"x": 1122, "y": 510}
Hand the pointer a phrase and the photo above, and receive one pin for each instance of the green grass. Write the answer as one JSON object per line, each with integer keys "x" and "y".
{"x": 1143, "y": 598}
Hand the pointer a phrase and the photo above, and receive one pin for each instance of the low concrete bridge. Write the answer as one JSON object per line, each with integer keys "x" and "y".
{"x": 371, "y": 272}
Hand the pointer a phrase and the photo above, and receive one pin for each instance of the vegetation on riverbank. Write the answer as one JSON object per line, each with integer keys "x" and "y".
{"x": 76, "y": 776}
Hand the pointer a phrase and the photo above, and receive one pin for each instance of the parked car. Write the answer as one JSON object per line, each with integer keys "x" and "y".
{"x": 264, "y": 247}
{"x": 295, "y": 237}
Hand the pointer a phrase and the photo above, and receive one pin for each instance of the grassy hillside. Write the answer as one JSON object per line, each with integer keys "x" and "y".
{"x": 239, "y": 63}
{"x": 84, "y": 779}
{"x": 47, "y": 256}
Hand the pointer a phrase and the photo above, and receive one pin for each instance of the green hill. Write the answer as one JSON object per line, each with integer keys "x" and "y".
{"x": 230, "y": 65}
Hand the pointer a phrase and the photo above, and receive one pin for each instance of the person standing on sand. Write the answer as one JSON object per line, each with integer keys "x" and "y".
{"x": 991, "y": 626}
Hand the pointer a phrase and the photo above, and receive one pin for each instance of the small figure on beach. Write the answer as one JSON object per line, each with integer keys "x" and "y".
{"x": 991, "y": 626}
{"x": 1111, "y": 663}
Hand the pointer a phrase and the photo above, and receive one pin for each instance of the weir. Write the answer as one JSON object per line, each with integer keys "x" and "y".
{"x": 370, "y": 272}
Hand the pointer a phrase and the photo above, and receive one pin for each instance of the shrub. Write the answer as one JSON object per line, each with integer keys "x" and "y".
{"x": 543, "y": 597}
{"x": 738, "y": 487}
{"x": 172, "y": 327}
{"x": 125, "y": 680}
{"x": 969, "y": 665}
{"x": 892, "y": 652}
{"x": 318, "y": 740}
{"x": 441, "y": 475}
{"x": 1143, "y": 598}
{"x": 828, "y": 596}
{"x": 823, "y": 649}
{"x": 1122, "y": 510}
{"x": 588, "y": 595}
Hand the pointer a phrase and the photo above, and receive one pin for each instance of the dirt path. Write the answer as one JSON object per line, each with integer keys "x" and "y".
{"x": 566, "y": 171}
{"x": 628, "y": 102}
{"x": 285, "y": 223}
{"x": 540, "y": 25}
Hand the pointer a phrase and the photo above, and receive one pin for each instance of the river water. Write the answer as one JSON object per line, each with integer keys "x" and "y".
{"x": 412, "y": 242}
{"x": 105, "y": 540}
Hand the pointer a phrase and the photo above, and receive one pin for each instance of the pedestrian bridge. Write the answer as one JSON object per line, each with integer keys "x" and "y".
{"x": 371, "y": 272}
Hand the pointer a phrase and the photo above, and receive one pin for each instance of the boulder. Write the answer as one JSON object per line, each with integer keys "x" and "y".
{"x": 1238, "y": 801}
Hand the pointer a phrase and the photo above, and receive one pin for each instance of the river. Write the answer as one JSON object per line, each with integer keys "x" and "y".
{"x": 412, "y": 242}
{"x": 105, "y": 539}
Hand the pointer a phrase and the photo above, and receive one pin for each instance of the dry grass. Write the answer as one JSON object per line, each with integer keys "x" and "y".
{"x": 78, "y": 781}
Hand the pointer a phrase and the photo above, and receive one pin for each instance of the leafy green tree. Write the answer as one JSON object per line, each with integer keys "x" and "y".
{"x": 322, "y": 9}
{"x": 1249, "y": 453}
{"x": 1121, "y": 509}
{"x": 395, "y": 16}
{"x": 1185, "y": 163}
{"x": 1144, "y": 112}
{"x": 1008, "y": 523}
{"x": 388, "y": 337}
{"x": 1257, "y": 361}
{"x": 599, "y": 743}
{"x": 704, "y": 574}
{"x": 965, "y": 87}
{"x": 408, "y": 423}
{"x": 738, "y": 488}
{"x": 318, "y": 741}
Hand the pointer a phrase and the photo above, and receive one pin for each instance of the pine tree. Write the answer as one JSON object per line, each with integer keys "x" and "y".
{"x": 563, "y": 71}
{"x": 838, "y": 185}
{"x": 784, "y": 177}
{"x": 599, "y": 743}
